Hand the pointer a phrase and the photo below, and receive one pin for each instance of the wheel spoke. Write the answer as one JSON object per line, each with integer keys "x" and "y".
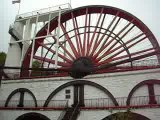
{"x": 104, "y": 66}
{"x": 51, "y": 61}
{"x": 51, "y": 50}
{"x": 92, "y": 38}
{"x": 106, "y": 53}
{"x": 109, "y": 42}
{"x": 129, "y": 41}
{"x": 133, "y": 54}
{"x": 69, "y": 41}
{"x": 84, "y": 39}
{"x": 102, "y": 46}
{"x": 65, "y": 50}
{"x": 76, "y": 33}
{"x": 96, "y": 44}
{"x": 89, "y": 22}
{"x": 110, "y": 58}
{"x": 80, "y": 43}
{"x": 109, "y": 49}
{"x": 125, "y": 56}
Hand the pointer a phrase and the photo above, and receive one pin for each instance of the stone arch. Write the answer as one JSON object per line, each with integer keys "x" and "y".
{"x": 22, "y": 91}
{"x": 150, "y": 83}
{"x": 32, "y": 116}
{"x": 80, "y": 82}
{"x": 126, "y": 115}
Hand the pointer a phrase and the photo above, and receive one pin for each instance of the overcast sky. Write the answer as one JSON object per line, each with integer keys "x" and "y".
{"x": 146, "y": 10}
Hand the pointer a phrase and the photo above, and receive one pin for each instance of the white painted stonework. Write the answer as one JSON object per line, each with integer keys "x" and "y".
{"x": 13, "y": 114}
{"x": 119, "y": 85}
{"x": 152, "y": 113}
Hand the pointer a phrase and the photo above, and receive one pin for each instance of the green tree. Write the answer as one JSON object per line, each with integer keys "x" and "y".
{"x": 36, "y": 64}
{"x": 120, "y": 115}
{"x": 2, "y": 58}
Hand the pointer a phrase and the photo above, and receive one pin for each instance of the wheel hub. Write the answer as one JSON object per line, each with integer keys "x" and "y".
{"x": 81, "y": 67}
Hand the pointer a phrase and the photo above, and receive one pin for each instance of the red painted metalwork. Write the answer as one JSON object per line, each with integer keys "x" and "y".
{"x": 123, "y": 49}
{"x": 152, "y": 99}
{"x": 79, "y": 46}
{"x": 102, "y": 43}
{"x": 84, "y": 39}
{"x": 69, "y": 41}
{"x": 64, "y": 72}
{"x": 96, "y": 55}
{"x": 60, "y": 55}
{"x": 126, "y": 43}
{"x": 150, "y": 84}
{"x": 99, "y": 103}
{"x": 113, "y": 58}
{"x": 126, "y": 60}
{"x": 31, "y": 108}
{"x": 122, "y": 107}
{"x": 80, "y": 42}
{"x": 84, "y": 108}
{"x": 51, "y": 61}
{"x": 91, "y": 41}
{"x": 96, "y": 42}
{"x": 133, "y": 54}
{"x": 108, "y": 51}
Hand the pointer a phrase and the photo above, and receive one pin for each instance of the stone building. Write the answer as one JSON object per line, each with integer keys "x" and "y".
{"x": 96, "y": 63}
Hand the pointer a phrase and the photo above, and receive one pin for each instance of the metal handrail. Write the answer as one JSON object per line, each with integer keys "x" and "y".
{"x": 107, "y": 102}
{"x": 89, "y": 103}
{"x": 75, "y": 108}
{"x": 31, "y": 103}
{"x": 63, "y": 112}
{"x": 28, "y": 14}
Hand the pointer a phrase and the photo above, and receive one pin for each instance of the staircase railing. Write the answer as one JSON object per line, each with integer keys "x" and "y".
{"x": 76, "y": 108}
{"x": 63, "y": 112}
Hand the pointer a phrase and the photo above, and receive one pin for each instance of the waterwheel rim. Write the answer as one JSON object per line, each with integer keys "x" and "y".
{"x": 107, "y": 36}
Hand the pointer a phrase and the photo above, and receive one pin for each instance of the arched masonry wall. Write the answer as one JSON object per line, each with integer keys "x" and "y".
{"x": 152, "y": 113}
{"x": 14, "y": 114}
{"x": 118, "y": 84}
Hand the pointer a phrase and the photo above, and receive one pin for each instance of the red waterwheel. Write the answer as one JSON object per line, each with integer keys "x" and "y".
{"x": 95, "y": 39}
